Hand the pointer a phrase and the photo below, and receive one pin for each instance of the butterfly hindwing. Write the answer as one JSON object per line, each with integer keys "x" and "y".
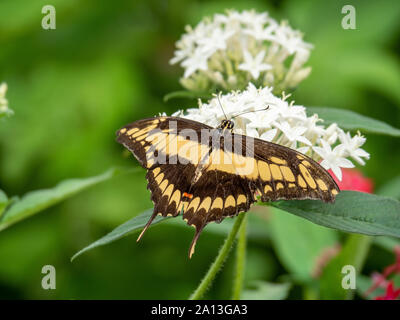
{"x": 167, "y": 184}
{"x": 216, "y": 195}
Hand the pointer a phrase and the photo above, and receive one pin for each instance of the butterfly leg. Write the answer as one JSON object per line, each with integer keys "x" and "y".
{"x": 147, "y": 225}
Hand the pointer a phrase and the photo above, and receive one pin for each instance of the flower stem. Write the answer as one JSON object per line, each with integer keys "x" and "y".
{"x": 219, "y": 260}
{"x": 240, "y": 261}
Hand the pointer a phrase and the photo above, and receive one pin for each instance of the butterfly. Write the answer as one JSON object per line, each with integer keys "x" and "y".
{"x": 207, "y": 174}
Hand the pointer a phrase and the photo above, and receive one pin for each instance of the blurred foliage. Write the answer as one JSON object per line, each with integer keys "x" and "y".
{"x": 107, "y": 65}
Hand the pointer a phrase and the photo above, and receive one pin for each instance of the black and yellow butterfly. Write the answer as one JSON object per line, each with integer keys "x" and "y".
{"x": 191, "y": 171}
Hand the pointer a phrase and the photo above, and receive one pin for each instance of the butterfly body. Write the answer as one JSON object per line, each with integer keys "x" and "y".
{"x": 207, "y": 174}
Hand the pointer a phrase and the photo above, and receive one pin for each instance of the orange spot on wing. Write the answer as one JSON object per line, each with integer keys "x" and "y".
{"x": 188, "y": 195}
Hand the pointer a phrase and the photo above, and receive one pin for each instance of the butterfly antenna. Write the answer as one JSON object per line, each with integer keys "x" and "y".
{"x": 146, "y": 226}
{"x": 220, "y": 104}
{"x": 239, "y": 114}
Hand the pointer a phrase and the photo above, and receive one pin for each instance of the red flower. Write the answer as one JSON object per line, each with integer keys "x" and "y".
{"x": 381, "y": 280}
{"x": 353, "y": 179}
{"x": 390, "y": 294}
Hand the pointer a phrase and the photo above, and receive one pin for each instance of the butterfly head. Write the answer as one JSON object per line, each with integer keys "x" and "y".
{"x": 226, "y": 124}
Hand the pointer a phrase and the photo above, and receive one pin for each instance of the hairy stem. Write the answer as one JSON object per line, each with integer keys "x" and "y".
{"x": 240, "y": 261}
{"x": 219, "y": 260}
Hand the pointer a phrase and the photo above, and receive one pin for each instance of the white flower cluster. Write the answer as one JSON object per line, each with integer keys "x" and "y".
{"x": 4, "y": 110}
{"x": 228, "y": 51}
{"x": 276, "y": 120}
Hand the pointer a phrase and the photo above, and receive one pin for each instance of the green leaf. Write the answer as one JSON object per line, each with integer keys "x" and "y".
{"x": 256, "y": 230}
{"x": 352, "y": 211}
{"x": 351, "y": 120}
{"x": 257, "y": 227}
{"x": 314, "y": 210}
{"x": 353, "y": 253}
{"x": 261, "y": 290}
{"x": 36, "y": 201}
{"x": 187, "y": 95}
{"x": 298, "y": 242}
{"x": 121, "y": 231}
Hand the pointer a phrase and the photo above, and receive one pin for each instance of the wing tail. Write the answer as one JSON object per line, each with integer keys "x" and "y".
{"x": 146, "y": 226}
{"x": 194, "y": 241}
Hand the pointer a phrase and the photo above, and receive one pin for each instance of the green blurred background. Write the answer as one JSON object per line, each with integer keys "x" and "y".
{"x": 106, "y": 65}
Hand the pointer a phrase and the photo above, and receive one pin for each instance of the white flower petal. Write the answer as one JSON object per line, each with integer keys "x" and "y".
{"x": 345, "y": 163}
{"x": 269, "y": 135}
{"x": 216, "y": 44}
{"x": 337, "y": 172}
{"x": 303, "y": 150}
